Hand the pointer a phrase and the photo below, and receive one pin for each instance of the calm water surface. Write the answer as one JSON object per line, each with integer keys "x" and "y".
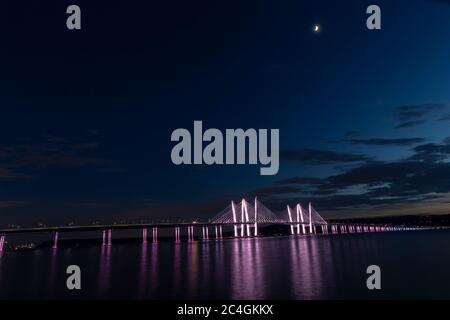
{"x": 414, "y": 264}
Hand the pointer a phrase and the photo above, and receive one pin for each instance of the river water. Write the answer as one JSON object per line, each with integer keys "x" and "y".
{"x": 414, "y": 264}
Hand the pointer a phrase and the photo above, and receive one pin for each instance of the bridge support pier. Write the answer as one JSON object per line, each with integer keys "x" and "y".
{"x": 190, "y": 230}
{"x": 177, "y": 234}
{"x": 103, "y": 237}
{"x": 55, "y": 240}
{"x": 155, "y": 235}
{"x": 109, "y": 237}
{"x": 144, "y": 235}
{"x": 216, "y": 233}
{"x": 220, "y": 232}
{"x": 2, "y": 242}
{"x": 205, "y": 232}
{"x": 292, "y": 229}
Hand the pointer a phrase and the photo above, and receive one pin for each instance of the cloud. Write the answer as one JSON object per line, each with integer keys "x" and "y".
{"x": 9, "y": 204}
{"x": 409, "y": 124}
{"x": 86, "y": 145}
{"x": 301, "y": 181}
{"x": 414, "y": 115}
{"x": 385, "y": 142}
{"x": 11, "y": 174}
{"x": 441, "y": 1}
{"x": 352, "y": 134}
{"x": 377, "y": 184}
{"x": 412, "y": 112}
{"x": 318, "y": 157}
{"x": 405, "y": 183}
{"x": 432, "y": 152}
{"x": 46, "y": 151}
{"x": 446, "y": 117}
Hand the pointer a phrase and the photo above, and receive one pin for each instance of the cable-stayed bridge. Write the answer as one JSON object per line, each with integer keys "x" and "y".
{"x": 239, "y": 219}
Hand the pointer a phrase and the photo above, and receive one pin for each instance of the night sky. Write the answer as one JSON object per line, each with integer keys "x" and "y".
{"x": 86, "y": 116}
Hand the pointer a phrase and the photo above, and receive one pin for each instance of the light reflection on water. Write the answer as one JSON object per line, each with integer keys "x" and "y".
{"x": 321, "y": 267}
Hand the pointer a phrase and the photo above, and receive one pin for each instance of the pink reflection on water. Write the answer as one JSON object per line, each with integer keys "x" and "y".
{"x": 177, "y": 281}
{"x": 143, "y": 270}
{"x": 154, "y": 271}
{"x": 104, "y": 276}
{"x": 247, "y": 270}
{"x": 193, "y": 272}
{"x": 52, "y": 272}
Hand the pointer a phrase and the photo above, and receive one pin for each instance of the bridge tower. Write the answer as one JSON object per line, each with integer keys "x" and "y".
{"x": 234, "y": 219}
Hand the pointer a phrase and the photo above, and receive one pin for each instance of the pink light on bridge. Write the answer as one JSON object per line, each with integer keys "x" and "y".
{"x": 302, "y": 219}
{"x": 247, "y": 220}
{"x": 290, "y": 219}
{"x": 298, "y": 218}
{"x": 55, "y": 240}
{"x": 190, "y": 233}
{"x": 104, "y": 237}
{"x": 242, "y": 218}
{"x": 109, "y": 237}
{"x": 256, "y": 217}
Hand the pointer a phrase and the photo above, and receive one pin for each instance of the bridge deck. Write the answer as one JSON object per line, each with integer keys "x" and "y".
{"x": 133, "y": 226}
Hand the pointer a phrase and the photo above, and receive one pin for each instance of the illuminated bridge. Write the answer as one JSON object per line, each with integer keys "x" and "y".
{"x": 241, "y": 220}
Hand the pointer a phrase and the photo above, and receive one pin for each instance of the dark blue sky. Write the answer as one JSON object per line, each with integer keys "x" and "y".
{"x": 86, "y": 116}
